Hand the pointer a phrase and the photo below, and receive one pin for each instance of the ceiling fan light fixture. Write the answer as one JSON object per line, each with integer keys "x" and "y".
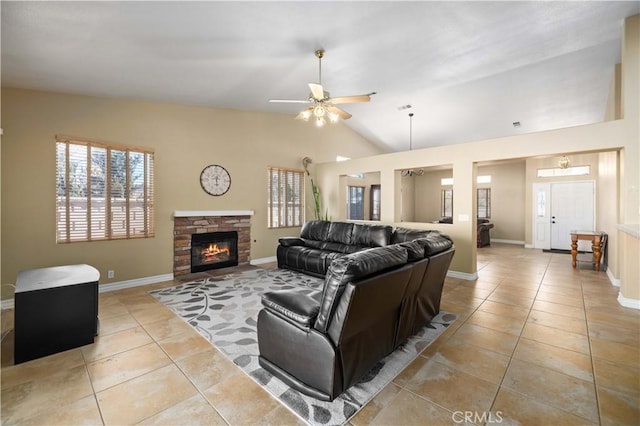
{"x": 305, "y": 115}
{"x": 319, "y": 111}
{"x": 333, "y": 117}
{"x": 320, "y": 121}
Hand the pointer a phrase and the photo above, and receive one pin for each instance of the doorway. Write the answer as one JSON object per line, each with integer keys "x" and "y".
{"x": 558, "y": 209}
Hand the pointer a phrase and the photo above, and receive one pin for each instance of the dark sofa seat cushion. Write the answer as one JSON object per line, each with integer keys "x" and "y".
{"x": 352, "y": 267}
{"x": 292, "y": 304}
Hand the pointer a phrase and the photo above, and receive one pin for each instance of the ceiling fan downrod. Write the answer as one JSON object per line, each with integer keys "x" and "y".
{"x": 319, "y": 54}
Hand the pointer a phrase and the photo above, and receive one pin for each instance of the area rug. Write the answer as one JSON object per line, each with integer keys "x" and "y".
{"x": 225, "y": 310}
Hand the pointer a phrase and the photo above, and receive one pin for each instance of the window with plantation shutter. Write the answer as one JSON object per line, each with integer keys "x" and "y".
{"x": 285, "y": 198}
{"x": 103, "y": 191}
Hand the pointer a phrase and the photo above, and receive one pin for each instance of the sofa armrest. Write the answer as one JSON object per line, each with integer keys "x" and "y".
{"x": 291, "y": 241}
{"x": 299, "y": 308}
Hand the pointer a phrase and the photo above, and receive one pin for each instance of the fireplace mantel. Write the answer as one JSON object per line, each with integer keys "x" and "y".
{"x": 212, "y": 213}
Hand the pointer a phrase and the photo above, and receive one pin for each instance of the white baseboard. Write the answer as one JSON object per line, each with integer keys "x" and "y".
{"x": 614, "y": 281}
{"x": 263, "y": 260}
{"x": 462, "y": 275}
{"x": 6, "y": 304}
{"x": 516, "y": 242}
{"x": 529, "y": 246}
{"x": 628, "y": 303}
{"x": 119, "y": 285}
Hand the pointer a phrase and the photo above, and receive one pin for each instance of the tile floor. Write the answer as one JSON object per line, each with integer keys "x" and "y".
{"x": 536, "y": 343}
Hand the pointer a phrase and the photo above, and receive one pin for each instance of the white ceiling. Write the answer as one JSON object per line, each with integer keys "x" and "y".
{"x": 469, "y": 69}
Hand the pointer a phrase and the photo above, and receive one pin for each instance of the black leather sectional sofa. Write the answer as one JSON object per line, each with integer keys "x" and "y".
{"x": 381, "y": 287}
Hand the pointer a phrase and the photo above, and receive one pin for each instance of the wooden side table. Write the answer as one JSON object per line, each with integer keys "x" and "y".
{"x": 596, "y": 244}
{"x": 55, "y": 309}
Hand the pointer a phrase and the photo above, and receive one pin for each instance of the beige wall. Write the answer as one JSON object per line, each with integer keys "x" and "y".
{"x": 507, "y": 199}
{"x": 185, "y": 139}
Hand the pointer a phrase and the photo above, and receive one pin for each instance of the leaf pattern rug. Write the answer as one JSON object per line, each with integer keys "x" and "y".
{"x": 225, "y": 309}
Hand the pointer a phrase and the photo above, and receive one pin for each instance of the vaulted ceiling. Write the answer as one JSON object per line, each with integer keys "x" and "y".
{"x": 468, "y": 69}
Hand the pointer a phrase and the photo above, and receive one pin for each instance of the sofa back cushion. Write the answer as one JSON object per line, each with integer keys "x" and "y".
{"x": 434, "y": 243}
{"x": 340, "y": 232}
{"x": 315, "y": 230}
{"x": 353, "y": 267}
{"x": 400, "y": 235}
{"x": 371, "y": 235}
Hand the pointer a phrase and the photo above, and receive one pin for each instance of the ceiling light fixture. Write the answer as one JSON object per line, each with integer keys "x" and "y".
{"x": 411, "y": 172}
{"x": 564, "y": 162}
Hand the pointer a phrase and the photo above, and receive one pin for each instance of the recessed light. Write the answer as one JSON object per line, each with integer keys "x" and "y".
{"x": 516, "y": 124}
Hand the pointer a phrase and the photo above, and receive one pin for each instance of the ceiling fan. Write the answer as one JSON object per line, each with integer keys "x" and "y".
{"x": 323, "y": 105}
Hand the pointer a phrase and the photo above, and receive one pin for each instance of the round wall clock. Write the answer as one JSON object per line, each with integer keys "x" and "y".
{"x": 215, "y": 180}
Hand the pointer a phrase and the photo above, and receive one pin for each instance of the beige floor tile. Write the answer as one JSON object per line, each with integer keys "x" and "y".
{"x": 153, "y": 314}
{"x": 554, "y": 358}
{"x": 557, "y": 337}
{"x": 486, "y": 338}
{"x": 479, "y": 362}
{"x": 208, "y": 368}
{"x": 452, "y": 389}
{"x": 409, "y": 409}
{"x": 618, "y": 377}
{"x": 511, "y": 299}
{"x": 550, "y": 387}
{"x": 614, "y": 333}
{"x": 194, "y": 411}
{"x": 558, "y": 309}
{"x": 81, "y": 412}
{"x": 496, "y": 322}
{"x": 112, "y": 344}
{"x": 518, "y": 291}
{"x": 504, "y": 309}
{"x": 379, "y": 402}
{"x": 34, "y": 397}
{"x": 239, "y": 400}
{"x": 185, "y": 344}
{"x": 617, "y": 408}
{"x": 281, "y": 415}
{"x": 615, "y": 352}
{"x": 561, "y": 322}
{"x": 167, "y": 327}
{"x": 624, "y": 320}
{"x": 562, "y": 291}
{"x": 41, "y": 368}
{"x": 516, "y": 409}
{"x": 113, "y": 324}
{"x": 575, "y": 301}
{"x": 145, "y": 396}
{"x": 111, "y": 309}
{"x": 476, "y": 292}
{"x": 115, "y": 369}
{"x": 410, "y": 370}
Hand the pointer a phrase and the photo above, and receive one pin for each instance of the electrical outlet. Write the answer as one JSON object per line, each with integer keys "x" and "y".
{"x": 110, "y": 274}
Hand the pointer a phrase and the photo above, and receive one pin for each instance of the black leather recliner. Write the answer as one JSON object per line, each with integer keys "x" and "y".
{"x": 324, "y": 342}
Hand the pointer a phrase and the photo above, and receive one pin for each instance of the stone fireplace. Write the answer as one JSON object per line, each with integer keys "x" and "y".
{"x": 209, "y": 239}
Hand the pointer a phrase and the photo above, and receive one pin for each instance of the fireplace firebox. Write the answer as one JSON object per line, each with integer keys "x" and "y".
{"x": 214, "y": 250}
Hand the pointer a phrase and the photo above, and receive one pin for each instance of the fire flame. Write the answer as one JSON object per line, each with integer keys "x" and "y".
{"x": 214, "y": 249}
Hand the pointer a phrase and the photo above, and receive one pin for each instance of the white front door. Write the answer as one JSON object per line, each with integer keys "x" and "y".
{"x": 541, "y": 215}
{"x": 572, "y": 208}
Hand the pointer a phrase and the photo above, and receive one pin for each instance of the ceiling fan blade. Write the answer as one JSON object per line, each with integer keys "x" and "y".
{"x": 317, "y": 91}
{"x": 291, "y": 101}
{"x": 341, "y": 113}
{"x": 305, "y": 114}
{"x": 350, "y": 99}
